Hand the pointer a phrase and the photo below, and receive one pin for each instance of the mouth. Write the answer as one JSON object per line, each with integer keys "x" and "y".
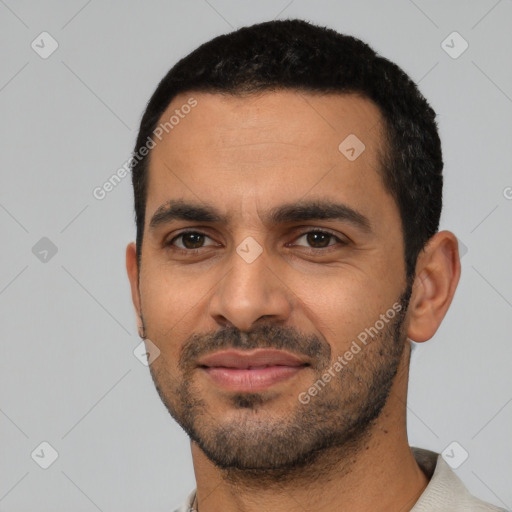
{"x": 254, "y": 370}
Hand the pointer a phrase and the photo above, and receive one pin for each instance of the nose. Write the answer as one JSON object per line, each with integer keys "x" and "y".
{"x": 250, "y": 292}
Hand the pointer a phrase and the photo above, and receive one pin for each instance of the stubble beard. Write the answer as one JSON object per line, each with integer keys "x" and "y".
{"x": 254, "y": 445}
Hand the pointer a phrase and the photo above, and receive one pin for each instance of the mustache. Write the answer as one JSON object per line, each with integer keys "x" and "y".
{"x": 264, "y": 336}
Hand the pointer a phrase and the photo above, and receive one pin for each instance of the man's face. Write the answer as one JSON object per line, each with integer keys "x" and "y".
{"x": 254, "y": 280}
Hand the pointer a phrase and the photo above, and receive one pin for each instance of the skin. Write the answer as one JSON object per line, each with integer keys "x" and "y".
{"x": 245, "y": 156}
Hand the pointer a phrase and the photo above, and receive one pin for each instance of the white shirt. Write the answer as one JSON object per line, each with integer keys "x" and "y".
{"x": 445, "y": 491}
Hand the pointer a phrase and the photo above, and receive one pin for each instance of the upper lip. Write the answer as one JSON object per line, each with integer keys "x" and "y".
{"x": 251, "y": 358}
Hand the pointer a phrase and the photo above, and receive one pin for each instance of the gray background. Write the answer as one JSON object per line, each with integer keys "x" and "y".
{"x": 68, "y": 122}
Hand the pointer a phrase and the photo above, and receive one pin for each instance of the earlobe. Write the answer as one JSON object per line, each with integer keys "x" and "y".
{"x": 437, "y": 276}
{"x": 132, "y": 270}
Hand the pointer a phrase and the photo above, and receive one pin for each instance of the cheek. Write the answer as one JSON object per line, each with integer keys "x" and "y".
{"x": 170, "y": 305}
{"x": 340, "y": 307}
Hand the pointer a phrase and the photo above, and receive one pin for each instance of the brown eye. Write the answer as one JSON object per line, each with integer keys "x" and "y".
{"x": 193, "y": 240}
{"x": 189, "y": 240}
{"x": 317, "y": 239}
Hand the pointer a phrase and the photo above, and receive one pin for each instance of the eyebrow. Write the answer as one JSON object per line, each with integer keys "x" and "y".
{"x": 299, "y": 211}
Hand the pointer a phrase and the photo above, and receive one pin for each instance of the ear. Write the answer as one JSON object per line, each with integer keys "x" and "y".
{"x": 132, "y": 268}
{"x": 437, "y": 276}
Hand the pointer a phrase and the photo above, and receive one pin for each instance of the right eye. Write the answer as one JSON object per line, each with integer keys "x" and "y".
{"x": 191, "y": 241}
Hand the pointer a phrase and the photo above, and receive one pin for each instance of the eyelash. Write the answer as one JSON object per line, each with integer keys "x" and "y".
{"x": 195, "y": 251}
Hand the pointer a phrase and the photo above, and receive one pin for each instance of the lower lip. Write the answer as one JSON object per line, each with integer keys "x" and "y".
{"x": 254, "y": 379}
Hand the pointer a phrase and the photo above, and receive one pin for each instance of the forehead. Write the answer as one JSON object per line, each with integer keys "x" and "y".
{"x": 285, "y": 116}
{"x": 234, "y": 149}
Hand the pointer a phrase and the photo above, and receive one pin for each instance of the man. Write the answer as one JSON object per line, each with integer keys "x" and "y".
{"x": 288, "y": 189}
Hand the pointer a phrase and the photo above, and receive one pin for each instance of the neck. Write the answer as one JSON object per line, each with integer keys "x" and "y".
{"x": 377, "y": 472}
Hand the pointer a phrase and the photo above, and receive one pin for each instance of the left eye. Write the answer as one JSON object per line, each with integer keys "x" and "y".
{"x": 319, "y": 239}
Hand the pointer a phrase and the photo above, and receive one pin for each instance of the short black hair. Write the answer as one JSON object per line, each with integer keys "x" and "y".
{"x": 297, "y": 55}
